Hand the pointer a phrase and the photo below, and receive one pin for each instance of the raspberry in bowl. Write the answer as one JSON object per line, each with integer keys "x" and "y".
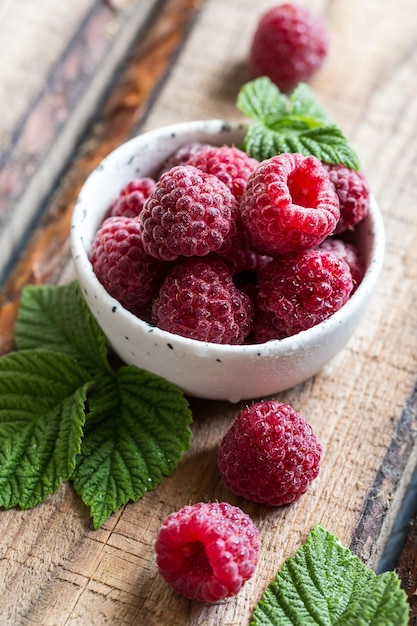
{"x": 253, "y": 363}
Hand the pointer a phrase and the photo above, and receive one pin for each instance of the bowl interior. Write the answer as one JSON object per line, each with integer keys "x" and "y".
{"x": 213, "y": 371}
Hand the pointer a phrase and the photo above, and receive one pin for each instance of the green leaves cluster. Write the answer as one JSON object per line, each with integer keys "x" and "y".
{"x": 325, "y": 584}
{"x": 296, "y": 123}
{"x": 66, "y": 414}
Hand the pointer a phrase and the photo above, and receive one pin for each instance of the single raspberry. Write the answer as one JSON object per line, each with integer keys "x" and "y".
{"x": 270, "y": 454}
{"x": 263, "y": 326}
{"x": 231, "y": 165}
{"x": 245, "y": 264}
{"x": 207, "y": 551}
{"x": 198, "y": 299}
{"x": 289, "y": 45}
{"x": 350, "y": 253}
{"x": 246, "y": 260}
{"x": 300, "y": 290}
{"x": 189, "y": 213}
{"x": 122, "y": 266}
{"x": 184, "y": 154}
{"x": 289, "y": 205}
{"x": 131, "y": 199}
{"x": 353, "y": 193}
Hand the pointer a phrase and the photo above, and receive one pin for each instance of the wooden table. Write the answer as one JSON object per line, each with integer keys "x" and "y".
{"x": 135, "y": 67}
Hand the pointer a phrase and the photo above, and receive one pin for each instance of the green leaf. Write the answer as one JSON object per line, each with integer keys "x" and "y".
{"x": 42, "y": 398}
{"x": 305, "y": 105}
{"x": 325, "y": 584}
{"x": 296, "y": 124}
{"x": 327, "y": 143}
{"x": 138, "y": 429}
{"x": 56, "y": 318}
{"x": 262, "y": 101}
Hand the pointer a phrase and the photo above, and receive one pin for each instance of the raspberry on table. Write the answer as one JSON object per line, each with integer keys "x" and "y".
{"x": 207, "y": 551}
{"x": 123, "y": 267}
{"x": 353, "y": 193}
{"x": 189, "y": 213}
{"x": 270, "y": 454}
{"x": 300, "y": 290}
{"x": 350, "y": 253}
{"x": 289, "y": 45}
{"x": 199, "y": 300}
{"x": 289, "y": 205}
{"x": 230, "y": 164}
{"x": 131, "y": 199}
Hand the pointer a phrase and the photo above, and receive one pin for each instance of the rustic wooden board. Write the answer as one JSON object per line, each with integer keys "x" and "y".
{"x": 407, "y": 570}
{"x": 59, "y": 61}
{"x": 55, "y": 569}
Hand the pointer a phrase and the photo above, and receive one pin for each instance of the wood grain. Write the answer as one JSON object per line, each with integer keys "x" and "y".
{"x": 407, "y": 570}
{"x": 55, "y": 569}
{"x": 51, "y": 116}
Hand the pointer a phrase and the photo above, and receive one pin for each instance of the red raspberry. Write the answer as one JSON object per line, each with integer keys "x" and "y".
{"x": 246, "y": 260}
{"x": 207, "y": 551}
{"x": 184, "y": 155}
{"x": 289, "y": 45}
{"x": 231, "y": 165}
{"x": 270, "y": 454}
{"x": 122, "y": 266}
{"x": 264, "y": 326}
{"x": 189, "y": 213}
{"x": 289, "y": 205}
{"x": 350, "y": 253}
{"x": 300, "y": 290}
{"x": 132, "y": 198}
{"x": 198, "y": 299}
{"x": 353, "y": 193}
{"x": 245, "y": 264}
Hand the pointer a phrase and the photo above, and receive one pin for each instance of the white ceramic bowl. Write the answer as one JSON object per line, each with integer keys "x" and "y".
{"x": 212, "y": 371}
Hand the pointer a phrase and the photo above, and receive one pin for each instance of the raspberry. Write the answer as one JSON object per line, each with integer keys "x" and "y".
{"x": 184, "y": 154}
{"x": 231, "y": 165}
{"x": 264, "y": 326}
{"x": 207, "y": 551}
{"x": 353, "y": 193}
{"x": 245, "y": 265}
{"x": 300, "y": 290}
{"x": 350, "y": 253}
{"x": 189, "y": 213}
{"x": 289, "y": 205}
{"x": 270, "y": 454}
{"x": 289, "y": 45}
{"x": 246, "y": 260}
{"x": 122, "y": 266}
{"x": 132, "y": 197}
{"x": 198, "y": 299}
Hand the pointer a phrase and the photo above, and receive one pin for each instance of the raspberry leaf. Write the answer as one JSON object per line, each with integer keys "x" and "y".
{"x": 42, "y": 398}
{"x": 327, "y": 143}
{"x": 324, "y": 583}
{"x": 262, "y": 101}
{"x": 296, "y": 124}
{"x": 57, "y": 319}
{"x": 135, "y": 434}
{"x": 303, "y": 103}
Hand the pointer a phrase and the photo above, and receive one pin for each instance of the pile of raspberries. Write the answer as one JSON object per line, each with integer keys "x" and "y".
{"x": 224, "y": 249}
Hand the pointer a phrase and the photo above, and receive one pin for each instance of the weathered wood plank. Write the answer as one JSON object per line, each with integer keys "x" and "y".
{"x": 407, "y": 570}
{"x": 362, "y": 405}
{"x": 39, "y": 134}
